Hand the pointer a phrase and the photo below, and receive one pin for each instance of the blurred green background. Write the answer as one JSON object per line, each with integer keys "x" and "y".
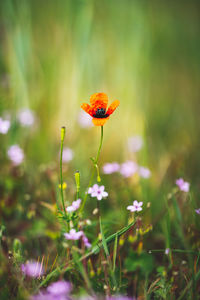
{"x": 55, "y": 54}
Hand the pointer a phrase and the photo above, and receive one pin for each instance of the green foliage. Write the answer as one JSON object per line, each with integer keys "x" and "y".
{"x": 17, "y": 251}
{"x": 163, "y": 287}
{"x": 143, "y": 262}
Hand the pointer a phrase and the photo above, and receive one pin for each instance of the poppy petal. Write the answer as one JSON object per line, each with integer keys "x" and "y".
{"x": 112, "y": 107}
{"x": 87, "y": 108}
{"x": 99, "y": 100}
{"x": 99, "y": 122}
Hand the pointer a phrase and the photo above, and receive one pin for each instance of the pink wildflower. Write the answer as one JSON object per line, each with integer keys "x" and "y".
{"x": 183, "y": 185}
{"x": 73, "y": 235}
{"x": 144, "y": 172}
{"x": 137, "y": 206}
{"x": 16, "y": 154}
{"x": 75, "y": 205}
{"x": 135, "y": 143}
{"x": 26, "y": 117}
{"x": 4, "y": 126}
{"x": 32, "y": 269}
{"x": 128, "y": 168}
{"x": 68, "y": 155}
{"x": 110, "y": 168}
{"x": 167, "y": 250}
{"x": 198, "y": 211}
{"x": 86, "y": 242}
{"x": 59, "y": 288}
{"x": 97, "y": 191}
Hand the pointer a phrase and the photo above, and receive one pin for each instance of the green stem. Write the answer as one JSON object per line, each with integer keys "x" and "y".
{"x": 175, "y": 251}
{"x": 100, "y": 145}
{"x": 77, "y": 180}
{"x": 61, "y": 172}
{"x": 93, "y": 172}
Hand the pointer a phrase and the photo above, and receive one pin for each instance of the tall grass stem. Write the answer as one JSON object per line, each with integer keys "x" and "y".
{"x": 61, "y": 171}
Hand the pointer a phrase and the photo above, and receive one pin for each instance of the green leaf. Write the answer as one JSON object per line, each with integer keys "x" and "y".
{"x": 144, "y": 262}
{"x": 115, "y": 252}
{"x": 103, "y": 239}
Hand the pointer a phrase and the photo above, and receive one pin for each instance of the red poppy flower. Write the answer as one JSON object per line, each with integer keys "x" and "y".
{"x": 97, "y": 109}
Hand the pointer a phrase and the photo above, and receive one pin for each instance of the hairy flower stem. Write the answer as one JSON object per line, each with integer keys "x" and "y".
{"x": 61, "y": 172}
{"x": 95, "y": 167}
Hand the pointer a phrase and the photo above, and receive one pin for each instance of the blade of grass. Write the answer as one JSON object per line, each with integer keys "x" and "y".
{"x": 188, "y": 286}
{"x": 115, "y": 252}
{"x": 104, "y": 240}
{"x": 63, "y": 268}
{"x": 81, "y": 269}
{"x": 105, "y": 247}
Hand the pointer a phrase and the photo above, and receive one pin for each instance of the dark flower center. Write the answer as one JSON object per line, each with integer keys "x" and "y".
{"x": 100, "y": 113}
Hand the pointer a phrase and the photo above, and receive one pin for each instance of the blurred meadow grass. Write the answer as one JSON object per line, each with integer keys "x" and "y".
{"x": 55, "y": 54}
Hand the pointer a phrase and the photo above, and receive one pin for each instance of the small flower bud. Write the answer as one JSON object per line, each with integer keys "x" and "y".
{"x": 62, "y": 133}
{"x": 121, "y": 241}
{"x": 88, "y": 222}
{"x": 95, "y": 211}
{"x": 98, "y": 178}
{"x": 140, "y": 247}
{"x": 105, "y": 287}
{"x": 92, "y": 273}
{"x": 64, "y": 186}
{"x": 77, "y": 179}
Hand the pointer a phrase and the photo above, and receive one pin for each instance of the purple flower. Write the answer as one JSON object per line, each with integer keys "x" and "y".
{"x": 86, "y": 242}
{"x": 120, "y": 297}
{"x": 75, "y": 205}
{"x": 84, "y": 120}
{"x": 68, "y": 155}
{"x": 26, "y": 117}
{"x": 16, "y": 154}
{"x": 167, "y": 251}
{"x": 73, "y": 235}
{"x": 55, "y": 291}
{"x": 128, "y": 168}
{"x": 97, "y": 191}
{"x": 137, "y": 206}
{"x": 183, "y": 185}
{"x": 135, "y": 143}
{"x": 4, "y": 126}
{"x": 76, "y": 235}
{"x": 198, "y": 211}
{"x": 32, "y": 269}
{"x": 59, "y": 288}
{"x": 144, "y": 172}
{"x": 110, "y": 168}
